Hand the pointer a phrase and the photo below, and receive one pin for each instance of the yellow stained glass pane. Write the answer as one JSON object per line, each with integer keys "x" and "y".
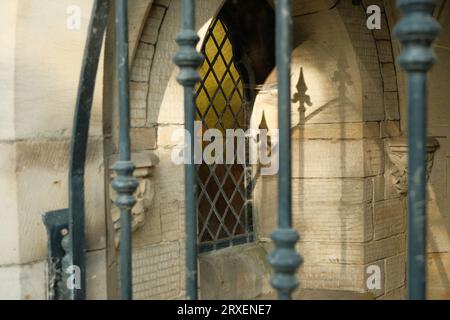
{"x": 235, "y": 102}
{"x": 219, "y": 67}
{"x": 220, "y": 79}
{"x": 227, "y": 51}
{"x": 220, "y": 102}
{"x": 228, "y": 119}
{"x": 210, "y": 49}
{"x": 202, "y": 102}
{"x": 218, "y": 32}
{"x": 211, "y": 119}
{"x": 234, "y": 73}
{"x": 210, "y": 84}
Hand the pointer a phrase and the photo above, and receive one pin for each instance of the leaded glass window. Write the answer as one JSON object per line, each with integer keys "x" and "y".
{"x": 224, "y": 199}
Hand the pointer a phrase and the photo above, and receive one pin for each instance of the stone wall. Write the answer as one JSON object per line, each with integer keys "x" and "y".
{"x": 344, "y": 205}
{"x": 40, "y": 65}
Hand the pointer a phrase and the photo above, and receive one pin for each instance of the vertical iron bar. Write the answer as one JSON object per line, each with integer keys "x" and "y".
{"x": 76, "y": 255}
{"x": 189, "y": 60}
{"x": 284, "y": 259}
{"x": 417, "y": 30}
{"x": 125, "y": 184}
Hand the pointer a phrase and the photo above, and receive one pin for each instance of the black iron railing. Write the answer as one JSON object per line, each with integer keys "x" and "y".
{"x": 124, "y": 184}
{"x": 284, "y": 259}
{"x": 66, "y": 228}
{"x": 189, "y": 60}
{"x": 80, "y": 133}
{"x": 417, "y": 30}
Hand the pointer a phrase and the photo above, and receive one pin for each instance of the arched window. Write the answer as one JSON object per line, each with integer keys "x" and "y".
{"x": 224, "y": 199}
{"x": 238, "y": 50}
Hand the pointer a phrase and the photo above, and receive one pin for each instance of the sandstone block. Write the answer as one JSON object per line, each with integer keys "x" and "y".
{"x": 385, "y": 51}
{"x": 156, "y": 271}
{"x": 351, "y": 130}
{"x": 341, "y": 158}
{"x": 151, "y": 28}
{"x": 337, "y": 222}
{"x": 389, "y": 218}
{"x": 395, "y": 272}
{"x": 389, "y": 77}
{"x": 143, "y": 139}
{"x": 391, "y": 105}
{"x": 24, "y": 282}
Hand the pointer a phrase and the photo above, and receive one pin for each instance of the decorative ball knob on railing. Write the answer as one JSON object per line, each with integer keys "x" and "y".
{"x": 125, "y": 184}
{"x": 416, "y": 31}
{"x": 188, "y": 58}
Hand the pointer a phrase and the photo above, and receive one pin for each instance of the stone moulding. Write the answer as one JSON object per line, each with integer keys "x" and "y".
{"x": 144, "y": 194}
{"x": 398, "y": 156}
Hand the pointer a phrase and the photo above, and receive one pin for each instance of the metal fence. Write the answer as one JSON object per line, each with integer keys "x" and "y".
{"x": 66, "y": 228}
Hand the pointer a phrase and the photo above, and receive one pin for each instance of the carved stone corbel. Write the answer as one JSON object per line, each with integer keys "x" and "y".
{"x": 144, "y": 194}
{"x": 398, "y": 156}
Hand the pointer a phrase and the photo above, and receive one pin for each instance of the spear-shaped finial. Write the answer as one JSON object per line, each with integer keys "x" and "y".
{"x": 301, "y": 97}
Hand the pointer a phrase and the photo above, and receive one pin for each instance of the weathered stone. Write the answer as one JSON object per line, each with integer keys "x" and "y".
{"x": 337, "y": 158}
{"x": 395, "y": 272}
{"x": 384, "y": 32}
{"x": 47, "y": 162}
{"x": 164, "y": 3}
{"x": 137, "y": 12}
{"x": 156, "y": 272}
{"x": 336, "y": 222}
{"x": 391, "y": 105}
{"x": 334, "y": 276}
{"x": 138, "y": 96}
{"x": 357, "y": 130}
{"x": 398, "y": 156}
{"x": 384, "y": 48}
{"x": 151, "y": 28}
{"x": 240, "y": 273}
{"x": 383, "y": 186}
{"x": 396, "y": 294}
{"x": 24, "y": 282}
{"x": 336, "y": 252}
{"x": 143, "y": 139}
{"x": 378, "y": 188}
{"x": 140, "y": 71}
{"x": 170, "y": 136}
{"x": 45, "y": 92}
{"x": 265, "y": 202}
{"x": 390, "y": 129}
{"x": 332, "y": 191}
{"x": 384, "y": 248}
{"x": 9, "y": 236}
{"x": 389, "y": 77}
{"x": 8, "y": 22}
{"x": 145, "y": 51}
{"x": 96, "y": 275}
{"x": 389, "y": 218}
